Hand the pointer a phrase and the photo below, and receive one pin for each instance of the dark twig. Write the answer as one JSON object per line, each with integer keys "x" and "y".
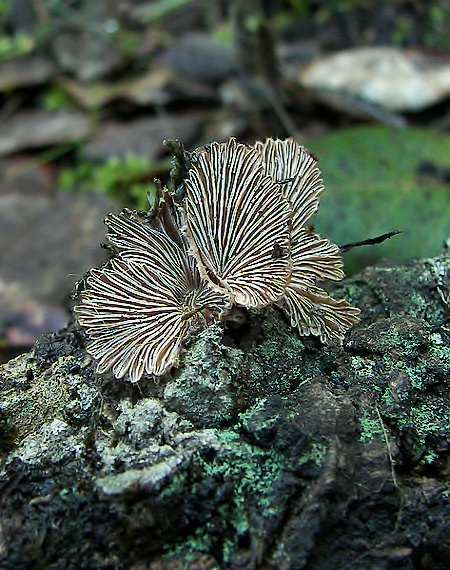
{"x": 371, "y": 241}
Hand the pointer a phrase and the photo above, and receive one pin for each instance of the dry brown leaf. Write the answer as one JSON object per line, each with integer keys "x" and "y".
{"x": 392, "y": 78}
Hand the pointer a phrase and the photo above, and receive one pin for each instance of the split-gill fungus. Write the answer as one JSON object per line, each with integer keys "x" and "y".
{"x": 234, "y": 236}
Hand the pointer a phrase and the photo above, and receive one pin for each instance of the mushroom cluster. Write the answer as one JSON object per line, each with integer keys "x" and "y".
{"x": 234, "y": 236}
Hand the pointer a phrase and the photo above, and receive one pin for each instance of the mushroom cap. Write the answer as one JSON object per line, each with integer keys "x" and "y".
{"x": 138, "y": 311}
{"x": 291, "y": 165}
{"x": 238, "y": 224}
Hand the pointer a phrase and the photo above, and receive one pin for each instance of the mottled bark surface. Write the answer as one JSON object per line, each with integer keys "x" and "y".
{"x": 263, "y": 450}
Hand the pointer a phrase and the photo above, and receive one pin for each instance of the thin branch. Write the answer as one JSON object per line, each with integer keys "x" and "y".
{"x": 370, "y": 241}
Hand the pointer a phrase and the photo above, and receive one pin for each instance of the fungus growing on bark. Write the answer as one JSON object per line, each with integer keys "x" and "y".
{"x": 236, "y": 217}
{"x": 313, "y": 258}
{"x": 236, "y": 237}
{"x": 139, "y": 310}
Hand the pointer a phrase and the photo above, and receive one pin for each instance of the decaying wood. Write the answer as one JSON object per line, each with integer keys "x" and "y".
{"x": 262, "y": 450}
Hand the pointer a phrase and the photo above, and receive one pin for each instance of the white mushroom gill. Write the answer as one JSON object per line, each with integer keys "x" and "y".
{"x": 238, "y": 224}
{"x": 237, "y": 238}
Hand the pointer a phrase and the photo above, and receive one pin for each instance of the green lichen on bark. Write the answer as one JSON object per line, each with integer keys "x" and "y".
{"x": 262, "y": 450}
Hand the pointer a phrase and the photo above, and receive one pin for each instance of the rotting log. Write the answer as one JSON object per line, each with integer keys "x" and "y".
{"x": 262, "y": 450}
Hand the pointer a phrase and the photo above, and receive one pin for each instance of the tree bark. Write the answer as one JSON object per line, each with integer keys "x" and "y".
{"x": 263, "y": 450}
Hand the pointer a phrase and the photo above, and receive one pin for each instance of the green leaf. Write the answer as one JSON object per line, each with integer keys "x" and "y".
{"x": 374, "y": 185}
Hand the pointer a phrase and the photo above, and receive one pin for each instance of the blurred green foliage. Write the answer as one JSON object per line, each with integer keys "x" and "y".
{"x": 398, "y": 22}
{"x": 127, "y": 179}
{"x": 158, "y": 9}
{"x": 56, "y": 97}
{"x": 393, "y": 22}
{"x": 14, "y": 46}
{"x": 378, "y": 180}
